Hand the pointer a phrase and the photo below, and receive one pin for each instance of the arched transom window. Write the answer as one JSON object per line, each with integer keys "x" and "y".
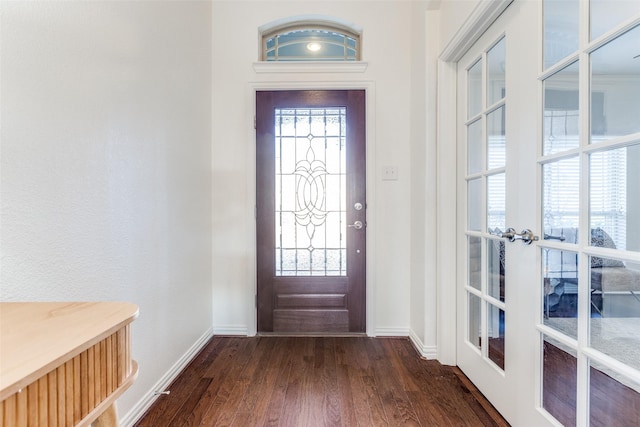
{"x": 310, "y": 40}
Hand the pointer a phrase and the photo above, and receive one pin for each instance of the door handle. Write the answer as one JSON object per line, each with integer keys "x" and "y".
{"x": 357, "y": 225}
{"x": 526, "y": 236}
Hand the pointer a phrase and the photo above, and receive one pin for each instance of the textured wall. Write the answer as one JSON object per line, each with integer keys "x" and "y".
{"x": 105, "y": 165}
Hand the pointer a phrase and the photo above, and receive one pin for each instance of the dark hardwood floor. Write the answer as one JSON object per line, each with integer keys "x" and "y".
{"x": 318, "y": 381}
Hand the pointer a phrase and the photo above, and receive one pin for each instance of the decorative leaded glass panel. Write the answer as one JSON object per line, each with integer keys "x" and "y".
{"x": 311, "y": 44}
{"x": 310, "y": 192}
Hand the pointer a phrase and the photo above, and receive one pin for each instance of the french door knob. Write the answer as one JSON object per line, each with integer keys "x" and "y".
{"x": 526, "y": 236}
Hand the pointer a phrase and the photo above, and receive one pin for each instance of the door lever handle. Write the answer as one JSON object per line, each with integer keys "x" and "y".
{"x": 526, "y": 236}
{"x": 357, "y": 225}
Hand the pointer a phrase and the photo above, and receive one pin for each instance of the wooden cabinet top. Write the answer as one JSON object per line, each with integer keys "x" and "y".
{"x": 36, "y": 337}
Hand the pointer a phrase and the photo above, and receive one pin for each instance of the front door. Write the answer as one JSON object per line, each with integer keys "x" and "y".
{"x": 311, "y": 211}
{"x": 549, "y": 231}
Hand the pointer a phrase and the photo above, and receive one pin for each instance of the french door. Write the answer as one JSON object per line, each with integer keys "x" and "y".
{"x": 497, "y": 100}
{"x": 549, "y": 219}
{"x": 311, "y": 211}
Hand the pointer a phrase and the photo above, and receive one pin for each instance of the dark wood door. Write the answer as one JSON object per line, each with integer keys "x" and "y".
{"x": 311, "y": 250}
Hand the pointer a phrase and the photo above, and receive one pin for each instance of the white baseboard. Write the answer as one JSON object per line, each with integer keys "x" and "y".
{"x": 231, "y": 330}
{"x": 426, "y": 351}
{"x": 131, "y": 417}
{"x": 392, "y": 332}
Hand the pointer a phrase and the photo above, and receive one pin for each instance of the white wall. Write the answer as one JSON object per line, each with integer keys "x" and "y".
{"x": 105, "y": 165}
{"x": 453, "y": 14}
{"x": 424, "y": 168}
{"x": 387, "y": 49}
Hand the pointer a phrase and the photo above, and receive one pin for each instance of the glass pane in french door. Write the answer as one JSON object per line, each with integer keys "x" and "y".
{"x": 560, "y": 29}
{"x": 559, "y": 375}
{"x": 606, "y": 14}
{"x": 615, "y": 87}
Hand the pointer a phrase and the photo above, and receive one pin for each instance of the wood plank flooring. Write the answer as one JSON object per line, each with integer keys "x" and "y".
{"x": 318, "y": 381}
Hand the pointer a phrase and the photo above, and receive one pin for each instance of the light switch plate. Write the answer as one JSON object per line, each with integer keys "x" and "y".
{"x": 389, "y": 173}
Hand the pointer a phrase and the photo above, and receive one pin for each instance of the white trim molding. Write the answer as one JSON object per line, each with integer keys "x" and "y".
{"x": 131, "y": 417}
{"x": 391, "y": 332}
{"x": 283, "y": 67}
{"x": 425, "y": 351}
{"x": 310, "y": 20}
{"x": 446, "y": 250}
{"x": 484, "y": 14}
{"x": 233, "y": 330}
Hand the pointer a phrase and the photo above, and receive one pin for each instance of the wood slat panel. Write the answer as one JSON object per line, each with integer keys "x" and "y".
{"x": 84, "y": 384}
{"x": 97, "y": 377}
{"x": 103, "y": 369}
{"x": 109, "y": 365}
{"x": 77, "y": 404}
{"x": 32, "y": 409}
{"x": 66, "y": 395}
{"x": 21, "y": 410}
{"x": 121, "y": 356}
{"x": 61, "y": 396}
{"x": 52, "y": 398}
{"x": 91, "y": 370}
{"x": 68, "y": 390}
{"x": 43, "y": 408}
{"x": 9, "y": 410}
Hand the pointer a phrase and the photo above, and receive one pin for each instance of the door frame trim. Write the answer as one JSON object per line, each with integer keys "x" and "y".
{"x": 369, "y": 88}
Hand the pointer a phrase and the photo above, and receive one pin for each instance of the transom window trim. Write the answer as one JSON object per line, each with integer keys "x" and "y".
{"x": 290, "y": 41}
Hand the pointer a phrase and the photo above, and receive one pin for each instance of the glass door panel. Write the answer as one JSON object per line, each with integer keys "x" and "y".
{"x": 310, "y": 192}
{"x": 561, "y": 121}
{"x": 474, "y": 203}
{"x": 560, "y": 30}
{"x": 607, "y": 14}
{"x": 614, "y": 400}
{"x": 496, "y": 203}
{"x": 474, "y": 147}
{"x": 559, "y": 375}
{"x": 495, "y": 269}
{"x": 496, "y": 147}
{"x": 611, "y": 194}
{"x": 615, "y": 86}
{"x": 496, "y": 73}
{"x": 474, "y": 89}
{"x": 474, "y": 266}
{"x": 474, "y": 327}
{"x": 496, "y": 334}
{"x": 560, "y": 200}
{"x": 560, "y": 291}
